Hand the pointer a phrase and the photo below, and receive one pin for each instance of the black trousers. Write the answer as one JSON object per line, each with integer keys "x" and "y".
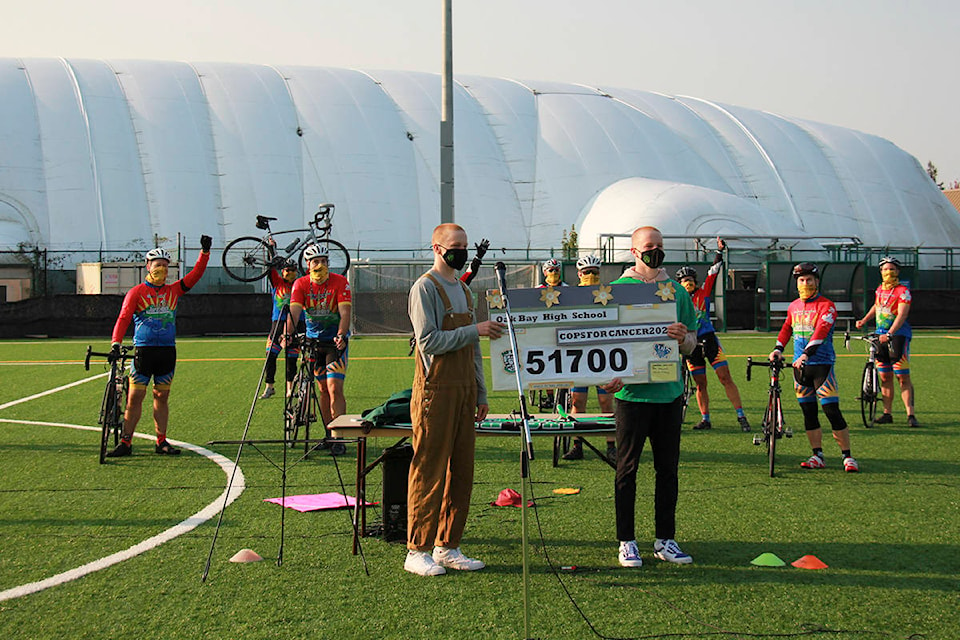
{"x": 636, "y": 422}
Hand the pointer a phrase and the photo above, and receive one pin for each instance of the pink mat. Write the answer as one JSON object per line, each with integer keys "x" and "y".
{"x": 316, "y": 501}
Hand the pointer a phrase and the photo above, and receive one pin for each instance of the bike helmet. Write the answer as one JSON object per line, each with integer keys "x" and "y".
{"x": 290, "y": 264}
{"x": 316, "y": 251}
{"x": 587, "y": 262}
{"x": 806, "y": 269}
{"x": 890, "y": 260}
{"x": 158, "y": 254}
{"x": 686, "y": 272}
{"x": 549, "y": 265}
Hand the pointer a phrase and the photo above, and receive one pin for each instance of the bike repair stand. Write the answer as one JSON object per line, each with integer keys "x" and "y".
{"x": 526, "y": 449}
{"x": 274, "y": 339}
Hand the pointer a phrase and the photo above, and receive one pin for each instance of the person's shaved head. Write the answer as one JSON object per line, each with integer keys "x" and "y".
{"x": 444, "y": 231}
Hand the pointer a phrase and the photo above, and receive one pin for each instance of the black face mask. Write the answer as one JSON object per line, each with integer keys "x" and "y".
{"x": 653, "y": 258}
{"x": 456, "y": 258}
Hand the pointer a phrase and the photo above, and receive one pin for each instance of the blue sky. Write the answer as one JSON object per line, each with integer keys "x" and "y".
{"x": 878, "y": 66}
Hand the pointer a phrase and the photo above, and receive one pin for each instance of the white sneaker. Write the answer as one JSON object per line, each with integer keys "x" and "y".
{"x": 629, "y": 554}
{"x": 454, "y": 559}
{"x": 422, "y": 564}
{"x": 669, "y": 550}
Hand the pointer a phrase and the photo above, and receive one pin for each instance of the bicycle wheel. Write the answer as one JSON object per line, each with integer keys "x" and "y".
{"x": 868, "y": 394}
{"x": 108, "y": 411}
{"x": 122, "y": 390}
{"x": 247, "y": 259}
{"x": 685, "y": 378}
{"x": 291, "y": 411}
{"x": 776, "y": 427}
{"x": 338, "y": 255}
{"x": 308, "y": 411}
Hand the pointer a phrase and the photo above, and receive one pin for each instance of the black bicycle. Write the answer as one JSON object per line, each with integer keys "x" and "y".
{"x": 689, "y": 388}
{"x": 249, "y": 258}
{"x": 302, "y": 407}
{"x": 773, "y": 426}
{"x": 114, "y": 396}
{"x": 870, "y": 393}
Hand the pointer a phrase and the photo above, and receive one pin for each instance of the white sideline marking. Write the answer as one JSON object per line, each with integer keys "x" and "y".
{"x": 189, "y": 524}
{"x": 49, "y": 391}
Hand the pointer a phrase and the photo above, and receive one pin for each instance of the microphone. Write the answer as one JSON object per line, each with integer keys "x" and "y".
{"x": 501, "y": 270}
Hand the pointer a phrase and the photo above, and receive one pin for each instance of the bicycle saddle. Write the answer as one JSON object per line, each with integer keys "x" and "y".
{"x": 263, "y": 222}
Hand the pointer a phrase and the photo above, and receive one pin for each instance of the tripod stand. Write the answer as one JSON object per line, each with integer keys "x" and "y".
{"x": 287, "y": 442}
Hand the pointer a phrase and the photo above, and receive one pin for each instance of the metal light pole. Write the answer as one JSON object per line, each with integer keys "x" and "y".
{"x": 446, "y": 118}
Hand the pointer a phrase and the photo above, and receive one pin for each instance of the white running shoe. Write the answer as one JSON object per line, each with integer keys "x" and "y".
{"x": 669, "y": 550}
{"x": 422, "y": 564}
{"x": 850, "y": 465}
{"x": 454, "y": 559}
{"x": 629, "y": 554}
{"x": 813, "y": 462}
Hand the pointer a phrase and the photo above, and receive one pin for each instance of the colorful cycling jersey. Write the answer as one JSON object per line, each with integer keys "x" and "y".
{"x": 281, "y": 293}
{"x": 701, "y": 300}
{"x": 811, "y": 322}
{"x": 321, "y": 304}
{"x": 888, "y": 303}
{"x": 153, "y": 309}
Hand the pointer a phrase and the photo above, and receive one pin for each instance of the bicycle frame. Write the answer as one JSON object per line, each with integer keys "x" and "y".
{"x": 870, "y": 392}
{"x": 113, "y": 405}
{"x": 774, "y": 425}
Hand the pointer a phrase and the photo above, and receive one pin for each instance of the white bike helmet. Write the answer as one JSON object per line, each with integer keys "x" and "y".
{"x": 315, "y": 251}
{"x": 891, "y": 260}
{"x": 550, "y": 264}
{"x": 587, "y": 262}
{"x": 158, "y": 254}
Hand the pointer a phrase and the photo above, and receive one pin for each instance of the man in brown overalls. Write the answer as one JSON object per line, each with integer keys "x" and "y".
{"x": 449, "y": 395}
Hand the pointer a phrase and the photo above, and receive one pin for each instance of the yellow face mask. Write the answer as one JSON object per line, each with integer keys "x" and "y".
{"x": 157, "y": 276}
{"x": 806, "y": 291}
{"x": 890, "y": 278}
{"x": 319, "y": 274}
{"x": 689, "y": 285}
{"x": 552, "y": 278}
{"x": 589, "y": 279}
{"x": 289, "y": 275}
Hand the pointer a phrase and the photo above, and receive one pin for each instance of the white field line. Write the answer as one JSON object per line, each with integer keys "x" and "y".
{"x": 48, "y": 392}
{"x": 208, "y": 512}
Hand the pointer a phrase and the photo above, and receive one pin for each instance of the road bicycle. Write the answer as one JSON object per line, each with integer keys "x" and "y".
{"x": 773, "y": 426}
{"x": 689, "y": 388}
{"x": 870, "y": 393}
{"x": 114, "y": 396}
{"x": 249, "y": 258}
{"x": 302, "y": 407}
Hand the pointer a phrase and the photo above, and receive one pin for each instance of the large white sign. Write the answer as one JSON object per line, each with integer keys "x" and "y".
{"x": 583, "y": 336}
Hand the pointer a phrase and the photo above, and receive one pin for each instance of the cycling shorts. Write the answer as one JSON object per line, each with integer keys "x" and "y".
{"x": 816, "y": 381}
{"x": 894, "y": 356}
{"x": 158, "y": 363}
{"x": 328, "y": 362}
{"x": 710, "y": 351}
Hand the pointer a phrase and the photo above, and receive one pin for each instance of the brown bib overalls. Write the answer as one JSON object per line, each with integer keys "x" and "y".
{"x": 442, "y": 409}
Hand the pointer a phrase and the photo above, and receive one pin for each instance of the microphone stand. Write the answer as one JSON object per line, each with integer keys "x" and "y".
{"x": 526, "y": 450}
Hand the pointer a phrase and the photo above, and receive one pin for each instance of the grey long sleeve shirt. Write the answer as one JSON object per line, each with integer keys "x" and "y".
{"x": 426, "y": 310}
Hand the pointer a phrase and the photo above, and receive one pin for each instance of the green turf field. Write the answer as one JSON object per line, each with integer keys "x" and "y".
{"x": 888, "y": 534}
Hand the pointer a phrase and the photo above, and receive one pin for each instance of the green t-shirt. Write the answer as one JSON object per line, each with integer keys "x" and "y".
{"x": 661, "y": 392}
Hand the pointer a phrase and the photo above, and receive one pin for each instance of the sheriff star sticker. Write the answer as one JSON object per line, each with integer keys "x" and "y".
{"x": 550, "y": 297}
{"x": 602, "y": 295}
{"x": 495, "y": 299}
{"x": 666, "y": 291}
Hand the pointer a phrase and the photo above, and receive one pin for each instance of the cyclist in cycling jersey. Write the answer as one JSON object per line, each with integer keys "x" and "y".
{"x": 152, "y": 307}
{"x": 588, "y": 273}
{"x": 710, "y": 350}
{"x": 891, "y": 307}
{"x": 282, "y": 282}
{"x": 552, "y": 277}
{"x": 810, "y": 320}
{"x": 324, "y": 299}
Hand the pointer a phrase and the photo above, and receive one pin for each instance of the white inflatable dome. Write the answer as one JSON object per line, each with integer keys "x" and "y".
{"x": 110, "y": 154}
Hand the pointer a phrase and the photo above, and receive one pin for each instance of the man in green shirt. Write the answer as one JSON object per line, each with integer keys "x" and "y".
{"x": 651, "y": 411}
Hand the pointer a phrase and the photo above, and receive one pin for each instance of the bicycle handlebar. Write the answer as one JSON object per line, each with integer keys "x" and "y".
{"x": 775, "y": 367}
{"x": 111, "y": 358}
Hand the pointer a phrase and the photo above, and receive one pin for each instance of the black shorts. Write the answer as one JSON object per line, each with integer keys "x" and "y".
{"x": 892, "y": 352}
{"x": 158, "y": 363}
{"x": 812, "y": 375}
{"x": 707, "y": 352}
